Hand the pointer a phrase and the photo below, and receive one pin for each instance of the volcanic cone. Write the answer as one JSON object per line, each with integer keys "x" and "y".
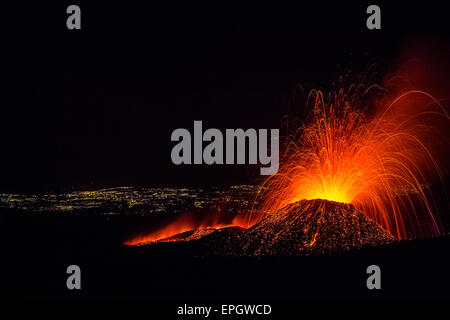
{"x": 314, "y": 226}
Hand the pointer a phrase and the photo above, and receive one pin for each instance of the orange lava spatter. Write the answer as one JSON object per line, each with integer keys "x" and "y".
{"x": 382, "y": 164}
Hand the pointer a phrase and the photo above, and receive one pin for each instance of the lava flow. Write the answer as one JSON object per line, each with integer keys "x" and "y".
{"x": 183, "y": 224}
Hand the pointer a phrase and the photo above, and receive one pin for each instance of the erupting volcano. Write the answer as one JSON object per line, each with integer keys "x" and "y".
{"x": 383, "y": 164}
{"x": 359, "y": 172}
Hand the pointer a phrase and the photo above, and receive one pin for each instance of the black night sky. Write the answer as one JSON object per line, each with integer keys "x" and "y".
{"x": 96, "y": 107}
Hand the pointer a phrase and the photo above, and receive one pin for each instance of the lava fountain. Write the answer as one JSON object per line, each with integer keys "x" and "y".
{"x": 383, "y": 164}
{"x": 185, "y": 222}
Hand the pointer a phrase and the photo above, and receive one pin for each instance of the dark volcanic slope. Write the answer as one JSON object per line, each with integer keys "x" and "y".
{"x": 305, "y": 227}
{"x": 314, "y": 226}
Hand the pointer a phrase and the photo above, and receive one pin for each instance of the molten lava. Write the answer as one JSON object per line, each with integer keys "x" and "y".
{"x": 183, "y": 224}
{"x": 382, "y": 164}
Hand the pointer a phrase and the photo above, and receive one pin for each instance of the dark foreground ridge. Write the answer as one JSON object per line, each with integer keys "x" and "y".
{"x": 302, "y": 228}
{"x": 189, "y": 270}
